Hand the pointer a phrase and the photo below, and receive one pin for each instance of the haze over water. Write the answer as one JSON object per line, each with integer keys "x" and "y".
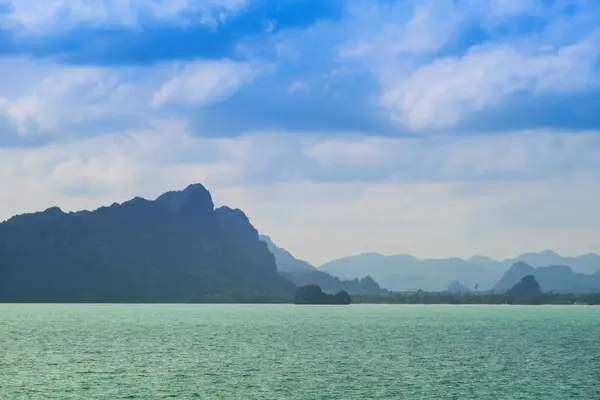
{"x": 294, "y": 352}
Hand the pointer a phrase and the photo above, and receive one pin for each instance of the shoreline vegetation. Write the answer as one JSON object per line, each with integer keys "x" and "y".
{"x": 443, "y": 298}
{"x": 356, "y": 300}
{"x": 525, "y": 292}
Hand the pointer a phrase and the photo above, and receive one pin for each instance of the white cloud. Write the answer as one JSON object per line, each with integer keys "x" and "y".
{"x": 382, "y": 31}
{"x": 322, "y": 195}
{"x": 43, "y": 17}
{"x": 442, "y": 93}
{"x": 298, "y": 86}
{"x": 516, "y": 155}
{"x": 91, "y": 171}
{"x": 69, "y": 96}
{"x": 205, "y": 82}
{"x": 509, "y": 8}
{"x": 427, "y": 30}
{"x": 44, "y": 97}
{"x": 277, "y": 178}
{"x": 323, "y": 221}
{"x": 434, "y": 71}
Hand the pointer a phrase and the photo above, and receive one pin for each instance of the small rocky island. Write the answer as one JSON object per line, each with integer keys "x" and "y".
{"x": 312, "y": 294}
{"x": 527, "y": 291}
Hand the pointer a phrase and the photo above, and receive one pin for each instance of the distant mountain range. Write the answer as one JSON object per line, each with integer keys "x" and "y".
{"x": 301, "y": 273}
{"x": 177, "y": 248}
{"x": 285, "y": 261}
{"x": 180, "y": 248}
{"x": 584, "y": 264}
{"x": 405, "y": 273}
{"x": 554, "y": 278}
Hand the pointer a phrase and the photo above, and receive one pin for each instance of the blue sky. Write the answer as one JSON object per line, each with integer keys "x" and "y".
{"x": 431, "y": 127}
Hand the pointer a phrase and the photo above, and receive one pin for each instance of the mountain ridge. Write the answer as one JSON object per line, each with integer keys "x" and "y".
{"x": 176, "y": 248}
{"x": 404, "y": 272}
{"x": 553, "y": 278}
{"x": 301, "y": 273}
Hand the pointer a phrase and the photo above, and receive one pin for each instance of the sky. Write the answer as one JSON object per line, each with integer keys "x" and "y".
{"x": 431, "y": 127}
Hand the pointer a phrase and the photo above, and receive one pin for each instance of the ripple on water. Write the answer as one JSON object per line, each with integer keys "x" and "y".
{"x": 287, "y": 352}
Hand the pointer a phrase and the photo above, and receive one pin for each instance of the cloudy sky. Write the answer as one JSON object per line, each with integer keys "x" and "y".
{"x": 430, "y": 127}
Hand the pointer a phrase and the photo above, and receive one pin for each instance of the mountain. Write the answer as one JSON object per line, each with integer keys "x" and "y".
{"x": 554, "y": 278}
{"x": 312, "y": 294}
{"x": 457, "y": 288}
{"x": 403, "y": 272}
{"x": 330, "y": 283}
{"x": 407, "y": 273}
{"x": 585, "y": 264}
{"x": 177, "y": 248}
{"x": 302, "y": 273}
{"x": 526, "y": 291}
{"x": 483, "y": 260}
{"x": 285, "y": 261}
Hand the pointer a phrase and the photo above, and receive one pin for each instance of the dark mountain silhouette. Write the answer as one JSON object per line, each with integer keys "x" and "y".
{"x": 525, "y": 287}
{"x": 526, "y": 291}
{"x": 177, "y": 248}
{"x": 554, "y": 278}
{"x": 330, "y": 283}
{"x": 312, "y": 294}
{"x": 301, "y": 273}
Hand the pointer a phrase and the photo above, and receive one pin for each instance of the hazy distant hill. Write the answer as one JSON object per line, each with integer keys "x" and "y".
{"x": 404, "y": 272}
{"x": 457, "y": 288}
{"x": 551, "y": 279}
{"x": 285, "y": 261}
{"x": 177, "y": 248}
{"x": 302, "y": 273}
{"x": 585, "y": 264}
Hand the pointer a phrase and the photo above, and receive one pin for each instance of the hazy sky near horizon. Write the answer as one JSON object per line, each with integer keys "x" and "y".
{"x": 431, "y": 127}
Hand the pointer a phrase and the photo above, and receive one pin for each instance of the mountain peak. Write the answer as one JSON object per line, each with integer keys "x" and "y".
{"x": 549, "y": 252}
{"x": 195, "y": 196}
{"x": 556, "y": 278}
{"x": 482, "y": 259}
{"x": 371, "y": 254}
{"x": 54, "y": 210}
{"x": 521, "y": 265}
{"x": 265, "y": 238}
{"x": 177, "y": 248}
{"x": 527, "y": 288}
{"x": 197, "y": 190}
{"x": 546, "y": 254}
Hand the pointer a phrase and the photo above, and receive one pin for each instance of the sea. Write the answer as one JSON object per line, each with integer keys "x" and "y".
{"x": 299, "y": 352}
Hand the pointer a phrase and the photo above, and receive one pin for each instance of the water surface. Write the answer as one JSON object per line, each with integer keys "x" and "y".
{"x": 298, "y": 352}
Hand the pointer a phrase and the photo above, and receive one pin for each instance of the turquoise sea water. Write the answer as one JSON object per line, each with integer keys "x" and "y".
{"x": 298, "y": 352}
